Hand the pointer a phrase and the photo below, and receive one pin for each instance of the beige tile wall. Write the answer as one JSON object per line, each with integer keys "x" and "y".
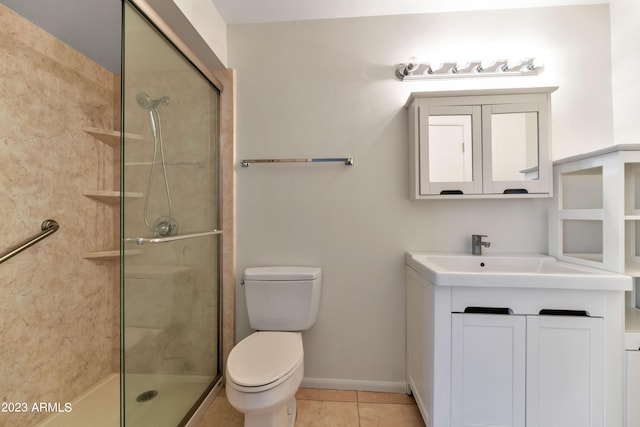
{"x": 56, "y": 322}
{"x": 228, "y": 211}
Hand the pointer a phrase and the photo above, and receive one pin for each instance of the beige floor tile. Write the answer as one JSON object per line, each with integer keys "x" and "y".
{"x": 377, "y": 397}
{"x": 328, "y": 395}
{"x": 389, "y": 415}
{"x": 221, "y": 414}
{"x": 313, "y": 413}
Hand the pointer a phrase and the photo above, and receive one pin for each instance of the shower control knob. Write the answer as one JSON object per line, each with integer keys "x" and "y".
{"x": 165, "y": 226}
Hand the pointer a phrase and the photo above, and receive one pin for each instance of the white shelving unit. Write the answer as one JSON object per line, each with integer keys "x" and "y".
{"x": 112, "y": 139}
{"x": 597, "y": 207}
{"x": 596, "y": 222}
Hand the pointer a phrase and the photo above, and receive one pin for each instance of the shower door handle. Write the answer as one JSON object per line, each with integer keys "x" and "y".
{"x": 143, "y": 240}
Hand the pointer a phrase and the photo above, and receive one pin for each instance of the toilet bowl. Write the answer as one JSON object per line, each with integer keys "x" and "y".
{"x": 265, "y": 369}
{"x": 263, "y": 374}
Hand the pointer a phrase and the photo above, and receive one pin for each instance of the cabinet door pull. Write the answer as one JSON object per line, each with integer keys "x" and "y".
{"x": 447, "y": 192}
{"x": 556, "y": 312}
{"x": 488, "y": 310}
{"x": 515, "y": 191}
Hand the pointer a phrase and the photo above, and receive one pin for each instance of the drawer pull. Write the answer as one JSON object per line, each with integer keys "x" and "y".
{"x": 450, "y": 192}
{"x": 555, "y": 312}
{"x": 488, "y": 310}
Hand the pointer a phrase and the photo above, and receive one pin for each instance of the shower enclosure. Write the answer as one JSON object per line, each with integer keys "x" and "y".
{"x": 170, "y": 230}
{"x": 114, "y": 320}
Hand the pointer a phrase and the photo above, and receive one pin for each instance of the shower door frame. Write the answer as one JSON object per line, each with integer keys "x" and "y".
{"x": 223, "y": 80}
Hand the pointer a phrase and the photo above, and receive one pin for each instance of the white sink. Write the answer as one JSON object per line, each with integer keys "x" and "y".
{"x": 512, "y": 270}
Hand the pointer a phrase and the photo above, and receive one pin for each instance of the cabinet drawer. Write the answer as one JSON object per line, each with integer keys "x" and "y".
{"x": 527, "y": 301}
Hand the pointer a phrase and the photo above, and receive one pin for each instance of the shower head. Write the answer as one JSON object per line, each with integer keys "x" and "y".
{"x": 145, "y": 101}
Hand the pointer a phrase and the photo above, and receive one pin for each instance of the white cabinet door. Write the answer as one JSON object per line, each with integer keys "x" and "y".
{"x": 564, "y": 371}
{"x": 488, "y": 370}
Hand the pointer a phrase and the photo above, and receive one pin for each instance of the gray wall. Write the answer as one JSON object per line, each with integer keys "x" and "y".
{"x": 326, "y": 88}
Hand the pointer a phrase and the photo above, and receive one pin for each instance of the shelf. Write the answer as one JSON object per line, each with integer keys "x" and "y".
{"x": 110, "y": 197}
{"x": 591, "y": 257}
{"x": 632, "y": 268}
{"x": 631, "y": 319}
{"x": 109, "y": 255}
{"x": 582, "y": 189}
{"x": 110, "y": 137}
{"x": 581, "y": 214}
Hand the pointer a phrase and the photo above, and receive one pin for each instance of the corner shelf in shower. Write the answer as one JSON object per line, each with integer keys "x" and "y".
{"x": 111, "y": 254}
{"x": 109, "y": 197}
{"x": 110, "y": 137}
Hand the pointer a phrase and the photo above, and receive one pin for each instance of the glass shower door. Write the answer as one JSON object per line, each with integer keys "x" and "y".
{"x": 170, "y": 243}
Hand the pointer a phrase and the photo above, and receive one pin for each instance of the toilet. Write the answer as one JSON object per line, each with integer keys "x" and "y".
{"x": 265, "y": 369}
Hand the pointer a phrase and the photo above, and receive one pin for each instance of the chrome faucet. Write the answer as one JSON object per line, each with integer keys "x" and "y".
{"x": 477, "y": 244}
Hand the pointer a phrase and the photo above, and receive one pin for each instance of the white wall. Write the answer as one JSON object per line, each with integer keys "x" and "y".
{"x": 326, "y": 88}
{"x": 625, "y": 68}
{"x": 207, "y": 21}
{"x": 198, "y": 24}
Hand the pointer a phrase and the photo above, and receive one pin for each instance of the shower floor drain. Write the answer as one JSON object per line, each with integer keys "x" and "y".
{"x": 146, "y": 396}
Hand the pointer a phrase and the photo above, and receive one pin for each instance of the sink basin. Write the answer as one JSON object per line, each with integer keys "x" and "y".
{"x": 512, "y": 270}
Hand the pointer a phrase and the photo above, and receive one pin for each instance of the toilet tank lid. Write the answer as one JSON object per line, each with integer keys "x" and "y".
{"x": 282, "y": 273}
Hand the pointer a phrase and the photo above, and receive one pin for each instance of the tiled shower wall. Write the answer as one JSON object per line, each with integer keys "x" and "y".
{"x": 57, "y": 308}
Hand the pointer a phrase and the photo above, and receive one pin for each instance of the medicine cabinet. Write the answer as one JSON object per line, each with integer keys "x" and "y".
{"x": 481, "y": 143}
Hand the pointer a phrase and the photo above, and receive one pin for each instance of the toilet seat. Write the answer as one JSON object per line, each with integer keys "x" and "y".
{"x": 264, "y": 359}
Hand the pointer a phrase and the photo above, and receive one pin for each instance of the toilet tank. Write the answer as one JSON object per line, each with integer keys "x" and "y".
{"x": 282, "y": 298}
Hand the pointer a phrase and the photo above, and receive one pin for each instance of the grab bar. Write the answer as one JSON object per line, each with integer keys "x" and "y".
{"x": 348, "y": 161}
{"x": 49, "y": 226}
{"x": 143, "y": 240}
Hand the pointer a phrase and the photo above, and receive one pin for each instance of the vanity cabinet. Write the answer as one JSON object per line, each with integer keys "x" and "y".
{"x": 512, "y": 370}
{"x": 484, "y": 143}
{"x": 522, "y": 369}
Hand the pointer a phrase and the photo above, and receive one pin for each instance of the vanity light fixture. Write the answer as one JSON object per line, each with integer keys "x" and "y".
{"x": 414, "y": 70}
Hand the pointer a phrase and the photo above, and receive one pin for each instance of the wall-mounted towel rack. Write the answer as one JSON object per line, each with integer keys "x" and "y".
{"x": 48, "y": 227}
{"x": 348, "y": 161}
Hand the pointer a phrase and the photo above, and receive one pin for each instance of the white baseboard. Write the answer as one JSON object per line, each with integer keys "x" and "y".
{"x": 361, "y": 385}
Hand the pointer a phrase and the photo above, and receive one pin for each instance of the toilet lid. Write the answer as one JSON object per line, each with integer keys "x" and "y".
{"x": 264, "y": 357}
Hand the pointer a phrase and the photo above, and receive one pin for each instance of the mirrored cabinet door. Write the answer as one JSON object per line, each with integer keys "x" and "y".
{"x": 450, "y": 159}
{"x": 514, "y": 135}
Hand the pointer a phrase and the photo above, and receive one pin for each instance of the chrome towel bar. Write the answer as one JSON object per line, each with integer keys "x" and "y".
{"x": 143, "y": 240}
{"x": 348, "y": 161}
{"x": 49, "y": 226}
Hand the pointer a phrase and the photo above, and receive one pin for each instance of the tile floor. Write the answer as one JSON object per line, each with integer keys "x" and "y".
{"x": 332, "y": 408}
